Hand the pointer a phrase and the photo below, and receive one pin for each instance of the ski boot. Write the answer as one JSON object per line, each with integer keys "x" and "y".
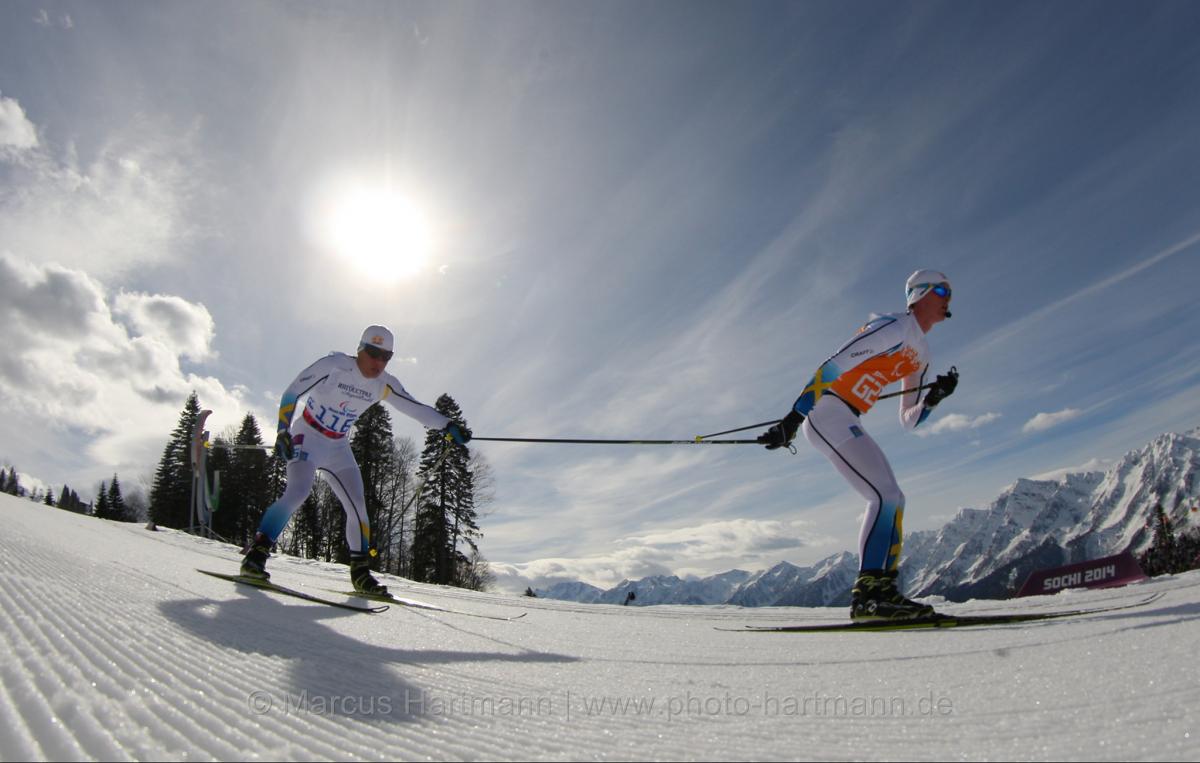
{"x": 360, "y": 576}
{"x": 875, "y": 597}
{"x": 257, "y": 553}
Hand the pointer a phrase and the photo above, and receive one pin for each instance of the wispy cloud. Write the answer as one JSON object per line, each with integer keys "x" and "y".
{"x": 127, "y": 204}
{"x": 1092, "y": 465}
{"x": 1044, "y": 421}
{"x": 1039, "y": 317}
{"x": 957, "y": 422}
{"x": 42, "y": 18}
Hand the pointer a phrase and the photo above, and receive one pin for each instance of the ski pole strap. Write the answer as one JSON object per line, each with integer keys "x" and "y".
{"x": 613, "y": 442}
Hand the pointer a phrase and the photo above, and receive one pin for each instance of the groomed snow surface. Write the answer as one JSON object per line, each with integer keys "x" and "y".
{"x": 115, "y": 648}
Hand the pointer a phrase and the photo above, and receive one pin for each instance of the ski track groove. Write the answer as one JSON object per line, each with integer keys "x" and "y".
{"x": 252, "y": 672}
{"x": 374, "y": 736}
{"x": 257, "y": 674}
{"x": 47, "y": 683}
{"x": 122, "y": 671}
{"x": 117, "y": 676}
{"x": 91, "y": 676}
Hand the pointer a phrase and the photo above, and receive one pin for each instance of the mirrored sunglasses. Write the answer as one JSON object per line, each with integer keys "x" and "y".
{"x": 378, "y": 354}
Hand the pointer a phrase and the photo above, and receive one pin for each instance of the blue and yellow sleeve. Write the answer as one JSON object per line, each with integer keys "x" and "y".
{"x": 287, "y": 409}
{"x": 825, "y": 376}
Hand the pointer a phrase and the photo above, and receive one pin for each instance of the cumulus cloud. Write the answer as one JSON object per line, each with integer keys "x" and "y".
{"x": 16, "y": 131}
{"x": 1044, "y": 421}
{"x": 184, "y": 327}
{"x": 663, "y": 552}
{"x": 70, "y": 365}
{"x": 957, "y": 422}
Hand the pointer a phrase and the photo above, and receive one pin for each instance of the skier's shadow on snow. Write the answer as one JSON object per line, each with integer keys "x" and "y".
{"x": 330, "y": 674}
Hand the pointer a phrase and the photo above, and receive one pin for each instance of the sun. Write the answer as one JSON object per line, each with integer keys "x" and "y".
{"x": 380, "y": 233}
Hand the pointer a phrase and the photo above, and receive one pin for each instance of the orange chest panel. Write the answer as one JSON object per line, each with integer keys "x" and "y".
{"x": 862, "y": 385}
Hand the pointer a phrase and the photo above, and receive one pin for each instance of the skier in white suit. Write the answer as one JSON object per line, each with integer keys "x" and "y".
{"x": 334, "y": 392}
{"x": 889, "y": 348}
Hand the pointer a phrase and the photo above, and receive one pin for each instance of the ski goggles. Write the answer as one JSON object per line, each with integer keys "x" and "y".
{"x": 378, "y": 354}
{"x": 921, "y": 289}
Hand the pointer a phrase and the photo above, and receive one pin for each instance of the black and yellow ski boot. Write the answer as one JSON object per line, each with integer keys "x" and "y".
{"x": 257, "y": 553}
{"x": 876, "y": 597}
{"x": 363, "y": 580}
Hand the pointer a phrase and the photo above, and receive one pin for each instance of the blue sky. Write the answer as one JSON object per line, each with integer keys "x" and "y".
{"x": 638, "y": 219}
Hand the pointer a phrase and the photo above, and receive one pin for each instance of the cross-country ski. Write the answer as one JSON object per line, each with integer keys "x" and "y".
{"x": 266, "y": 585}
{"x": 941, "y": 621}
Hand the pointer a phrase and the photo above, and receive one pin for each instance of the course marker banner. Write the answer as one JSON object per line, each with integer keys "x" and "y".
{"x": 1110, "y": 571}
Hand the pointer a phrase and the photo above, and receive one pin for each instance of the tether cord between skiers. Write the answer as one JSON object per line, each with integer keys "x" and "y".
{"x": 616, "y": 442}
{"x": 698, "y": 440}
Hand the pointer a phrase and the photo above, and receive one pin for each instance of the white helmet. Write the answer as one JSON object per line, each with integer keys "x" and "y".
{"x": 919, "y": 284}
{"x": 376, "y": 336}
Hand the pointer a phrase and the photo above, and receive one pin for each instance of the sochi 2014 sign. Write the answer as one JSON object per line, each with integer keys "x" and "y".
{"x": 1121, "y": 569}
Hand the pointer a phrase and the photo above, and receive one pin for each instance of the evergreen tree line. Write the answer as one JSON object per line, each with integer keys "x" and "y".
{"x": 109, "y": 503}
{"x": 422, "y": 506}
{"x": 1170, "y": 553}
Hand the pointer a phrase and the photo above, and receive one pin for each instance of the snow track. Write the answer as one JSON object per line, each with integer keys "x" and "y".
{"x": 116, "y": 649}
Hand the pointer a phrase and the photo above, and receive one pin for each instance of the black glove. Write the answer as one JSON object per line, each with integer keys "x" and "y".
{"x": 284, "y": 449}
{"x": 943, "y": 387}
{"x": 782, "y": 433}
{"x": 459, "y": 433}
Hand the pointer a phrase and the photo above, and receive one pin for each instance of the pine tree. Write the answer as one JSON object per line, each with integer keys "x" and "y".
{"x": 245, "y": 483}
{"x": 116, "y": 502}
{"x": 11, "y": 483}
{"x": 373, "y": 450}
{"x": 305, "y": 536}
{"x": 446, "y": 515}
{"x": 171, "y": 495}
{"x": 49, "y": 499}
{"x": 330, "y": 523}
{"x": 1162, "y": 556}
{"x": 102, "y": 508}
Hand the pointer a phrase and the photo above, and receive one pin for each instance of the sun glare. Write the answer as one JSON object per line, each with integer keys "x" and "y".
{"x": 381, "y": 234}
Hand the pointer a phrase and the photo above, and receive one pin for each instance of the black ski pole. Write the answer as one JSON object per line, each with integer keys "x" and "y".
{"x": 701, "y": 437}
{"x": 905, "y": 391}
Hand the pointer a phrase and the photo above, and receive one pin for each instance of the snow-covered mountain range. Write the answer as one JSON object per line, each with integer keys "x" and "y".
{"x": 981, "y": 553}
